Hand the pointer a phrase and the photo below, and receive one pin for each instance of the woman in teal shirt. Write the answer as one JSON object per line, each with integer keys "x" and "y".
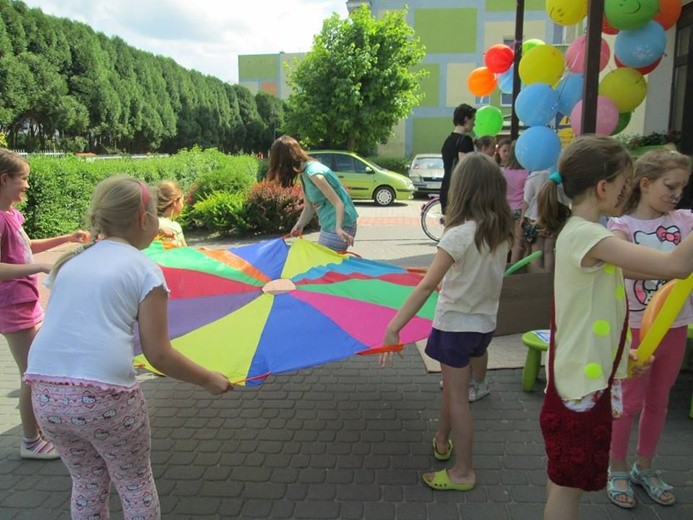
{"x": 322, "y": 193}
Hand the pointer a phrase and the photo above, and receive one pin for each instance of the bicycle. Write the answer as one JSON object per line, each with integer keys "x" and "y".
{"x": 432, "y": 219}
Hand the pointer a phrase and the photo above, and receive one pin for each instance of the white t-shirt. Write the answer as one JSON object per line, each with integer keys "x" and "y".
{"x": 88, "y": 330}
{"x": 533, "y": 185}
{"x": 469, "y": 294}
{"x": 590, "y": 311}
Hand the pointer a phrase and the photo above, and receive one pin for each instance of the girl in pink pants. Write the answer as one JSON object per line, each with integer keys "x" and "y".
{"x": 652, "y": 220}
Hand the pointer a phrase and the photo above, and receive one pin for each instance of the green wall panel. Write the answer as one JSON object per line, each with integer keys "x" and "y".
{"x": 258, "y": 66}
{"x": 511, "y": 5}
{"x": 430, "y": 86}
{"x": 446, "y": 31}
{"x": 429, "y": 133}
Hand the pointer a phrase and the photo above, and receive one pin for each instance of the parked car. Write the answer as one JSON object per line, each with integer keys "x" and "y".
{"x": 365, "y": 180}
{"x": 426, "y": 172}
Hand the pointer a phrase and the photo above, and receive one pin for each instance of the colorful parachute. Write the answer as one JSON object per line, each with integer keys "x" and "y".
{"x": 273, "y": 306}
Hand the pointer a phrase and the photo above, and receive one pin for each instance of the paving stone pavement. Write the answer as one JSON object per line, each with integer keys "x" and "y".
{"x": 346, "y": 440}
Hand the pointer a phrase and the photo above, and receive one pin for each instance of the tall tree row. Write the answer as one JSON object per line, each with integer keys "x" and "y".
{"x": 65, "y": 86}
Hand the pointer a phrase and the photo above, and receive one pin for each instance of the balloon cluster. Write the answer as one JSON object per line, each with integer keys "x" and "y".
{"x": 552, "y": 83}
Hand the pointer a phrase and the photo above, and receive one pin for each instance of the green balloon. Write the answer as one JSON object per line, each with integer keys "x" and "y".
{"x": 488, "y": 121}
{"x": 528, "y": 45}
{"x": 623, "y": 120}
{"x": 630, "y": 14}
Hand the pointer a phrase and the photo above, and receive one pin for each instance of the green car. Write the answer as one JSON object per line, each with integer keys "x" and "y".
{"x": 365, "y": 180}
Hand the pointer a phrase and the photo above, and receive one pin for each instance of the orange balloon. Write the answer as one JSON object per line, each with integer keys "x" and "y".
{"x": 668, "y": 13}
{"x": 481, "y": 81}
{"x": 655, "y": 305}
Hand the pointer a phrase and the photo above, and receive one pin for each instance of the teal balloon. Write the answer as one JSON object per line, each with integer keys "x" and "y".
{"x": 640, "y": 47}
{"x": 630, "y": 14}
{"x": 538, "y": 148}
{"x": 569, "y": 92}
{"x": 488, "y": 121}
{"x": 623, "y": 120}
{"x": 536, "y": 104}
{"x": 505, "y": 80}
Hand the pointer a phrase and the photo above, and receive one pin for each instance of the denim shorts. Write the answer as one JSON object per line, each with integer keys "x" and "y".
{"x": 454, "y": 349}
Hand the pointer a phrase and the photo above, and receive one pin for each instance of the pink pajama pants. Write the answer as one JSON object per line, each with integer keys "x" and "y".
{"x": 103, "y": 436}
{"x": 649, "y": 396}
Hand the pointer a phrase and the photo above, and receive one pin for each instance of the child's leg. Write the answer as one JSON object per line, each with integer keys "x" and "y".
{"x": 561, "y": 502}
{"x": 665, "y": 369}
{"x": 456, "y": 416}
{"x": 19, "y": 343}
{"x": 479, "y": 366}
{"x": 90, "y": 480}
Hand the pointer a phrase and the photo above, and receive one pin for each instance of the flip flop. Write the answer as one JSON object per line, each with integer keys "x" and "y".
{"x": 442, "y": 456}
{"x": 441, "y": 482}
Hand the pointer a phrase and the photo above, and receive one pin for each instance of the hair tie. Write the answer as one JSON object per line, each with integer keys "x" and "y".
{"x": 556, "y": 177}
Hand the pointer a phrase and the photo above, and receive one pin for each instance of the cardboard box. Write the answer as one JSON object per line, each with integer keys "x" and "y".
{"x": 526, "y": 301}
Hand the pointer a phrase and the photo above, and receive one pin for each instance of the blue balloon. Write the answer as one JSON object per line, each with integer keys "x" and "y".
{"x": 505, "y": 80}
{"x": 569, "y": 91}
{"x": 538, "y": 148}
{"x": 536, "y": 104}
{"x": 640, "y": 47}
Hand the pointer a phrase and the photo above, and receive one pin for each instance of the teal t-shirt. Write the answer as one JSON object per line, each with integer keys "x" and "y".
{"x": 325, "y": 210}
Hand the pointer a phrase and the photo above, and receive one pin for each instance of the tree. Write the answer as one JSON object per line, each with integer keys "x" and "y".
{"x": 359, "y": 79}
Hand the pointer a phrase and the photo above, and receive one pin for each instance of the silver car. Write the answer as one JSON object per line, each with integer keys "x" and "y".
{"x": 426, "y": 172}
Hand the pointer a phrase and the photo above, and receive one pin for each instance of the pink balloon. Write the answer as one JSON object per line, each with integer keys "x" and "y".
{"x": 607, "y": 116}
{"x": 576, "y": 53}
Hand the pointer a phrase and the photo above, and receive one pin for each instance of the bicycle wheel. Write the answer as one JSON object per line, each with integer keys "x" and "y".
{"x": 432, "y": 220}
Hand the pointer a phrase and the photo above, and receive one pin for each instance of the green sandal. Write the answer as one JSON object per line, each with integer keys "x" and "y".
{"x": 442, "y": 456}
{"x": 651, "y": 481}
{"x": 613, "y": 492}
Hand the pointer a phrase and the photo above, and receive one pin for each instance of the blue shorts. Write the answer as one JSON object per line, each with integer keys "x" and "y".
{"x": 455, "y": 348}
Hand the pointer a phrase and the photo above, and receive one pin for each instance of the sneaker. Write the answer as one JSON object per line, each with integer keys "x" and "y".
{"x": 471, "y": 384}
{"x": 478, "y": 391}
{"x": 38, "y": 450}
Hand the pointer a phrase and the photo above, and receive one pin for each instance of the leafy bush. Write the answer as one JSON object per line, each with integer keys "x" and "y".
{"x": 271, "y": 208}
{"x": 237, "y": 177}
{"x": 396, "y": 164}
{"x": 220, "y": 212}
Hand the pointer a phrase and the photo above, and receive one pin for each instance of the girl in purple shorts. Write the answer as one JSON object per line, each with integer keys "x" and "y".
{"x": 469, "y": 265}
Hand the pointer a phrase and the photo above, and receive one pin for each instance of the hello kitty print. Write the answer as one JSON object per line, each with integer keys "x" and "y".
{"x": 663, "y": 234}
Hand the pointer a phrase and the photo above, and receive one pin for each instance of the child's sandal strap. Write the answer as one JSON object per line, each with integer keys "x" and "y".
{"x": 613, "y": 492}
{"x": 651, "y": 481}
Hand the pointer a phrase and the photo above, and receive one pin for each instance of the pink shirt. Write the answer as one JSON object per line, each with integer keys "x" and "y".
{"x": 664, "y": 234}
{"x": 516, "y": 187}
{"x": 15, "y": 248}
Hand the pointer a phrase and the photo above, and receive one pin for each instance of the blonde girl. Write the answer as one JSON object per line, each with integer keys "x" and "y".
{"x": 486, "y": 144}
{"x": 84, "y": 391}
{"x": 588, "y": 337}
{"x": 652, "y": 220}
{"x": 169, "y": 205}
{"x": 469, "y": 265}
{"x": 20, "y": 310}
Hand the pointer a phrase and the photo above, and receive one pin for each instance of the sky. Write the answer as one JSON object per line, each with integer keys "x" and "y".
{"x": 205, "y": 35}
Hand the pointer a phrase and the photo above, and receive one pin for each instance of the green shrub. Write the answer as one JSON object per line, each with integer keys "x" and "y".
{"x": 237, "y": 177}
{"x": 269, "y": 208}
{"x": 396, "y": 164}
{"x": 220, "y": 212}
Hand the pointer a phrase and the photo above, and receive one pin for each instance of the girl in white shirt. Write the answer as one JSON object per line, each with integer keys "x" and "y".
{"x": 469, "y": 265}
{"x": 85, "y": 396}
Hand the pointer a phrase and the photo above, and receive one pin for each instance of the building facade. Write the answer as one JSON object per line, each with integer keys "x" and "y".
{"x": 456, "y": 34}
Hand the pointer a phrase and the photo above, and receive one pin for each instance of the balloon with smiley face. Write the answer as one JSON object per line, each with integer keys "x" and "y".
{"x": 566, "y": 12}
{"x": 630, "y": 14}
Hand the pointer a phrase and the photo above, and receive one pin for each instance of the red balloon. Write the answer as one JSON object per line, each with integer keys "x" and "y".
{"x": 481, "y": 81}
{"x": 607, "y": 28}
{"x": 499, "y": 58}
{"x": 668, "y": 13}
{"x": 642, "y": 70}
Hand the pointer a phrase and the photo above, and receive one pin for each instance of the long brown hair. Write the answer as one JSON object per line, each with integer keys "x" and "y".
{"x": 478, "y": 193}
{"x": 651, "y": 166}
{"x": 584, "y": 162}
{"x": 286, "y": 160}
